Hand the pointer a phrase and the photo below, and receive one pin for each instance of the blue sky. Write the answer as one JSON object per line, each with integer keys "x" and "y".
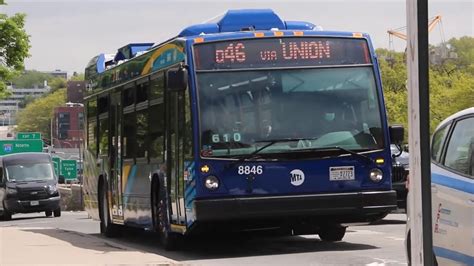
{"x": 66, "y": 34}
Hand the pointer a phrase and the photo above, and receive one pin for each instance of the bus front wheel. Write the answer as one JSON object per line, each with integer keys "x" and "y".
{"x": 107, "y": 228}
{"x": 168, "y": 240}
{"x": 332, "y": 233}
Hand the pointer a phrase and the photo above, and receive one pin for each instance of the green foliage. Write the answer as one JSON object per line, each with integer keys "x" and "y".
{"x": 57, "y": 83}
{"x": 451, "y": 84}
{"x": 31, "y": 78}
{"x": 14, "y": 47}
{"x": 36, "y": 117}
{"x": 464, "y": 48}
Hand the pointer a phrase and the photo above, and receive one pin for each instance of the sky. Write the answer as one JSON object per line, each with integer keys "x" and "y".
{"x": 66, "y": 34}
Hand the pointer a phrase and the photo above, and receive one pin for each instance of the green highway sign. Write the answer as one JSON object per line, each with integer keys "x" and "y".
{"x": 56, "y": 163}
{"x": 28, "y": 135}
{"x": 18, "y": 146}
{"x": 69, "y": 169}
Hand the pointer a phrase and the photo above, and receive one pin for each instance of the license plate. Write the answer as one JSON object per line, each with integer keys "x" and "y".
{"x": 339, "y": 173}
{"x": 34, "y": 203}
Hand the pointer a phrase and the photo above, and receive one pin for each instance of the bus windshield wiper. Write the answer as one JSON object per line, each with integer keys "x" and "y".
{"x": 270, "y": 143}
{"x": 356, "y": 154}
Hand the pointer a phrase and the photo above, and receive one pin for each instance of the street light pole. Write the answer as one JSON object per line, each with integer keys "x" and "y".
{"x": 51, "y": 134}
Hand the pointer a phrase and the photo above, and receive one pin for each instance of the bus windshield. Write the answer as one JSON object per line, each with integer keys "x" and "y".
{"x": 313, "y": 108}
{"x": 39, "y": 171}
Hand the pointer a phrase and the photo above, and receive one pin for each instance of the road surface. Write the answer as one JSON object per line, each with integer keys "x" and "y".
{"x": 75, "y": 239}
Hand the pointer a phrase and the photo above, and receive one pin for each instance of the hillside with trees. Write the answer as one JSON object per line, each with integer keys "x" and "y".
{"x": 451, "y": 82}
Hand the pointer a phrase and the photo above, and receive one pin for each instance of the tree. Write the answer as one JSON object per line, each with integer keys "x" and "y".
{"x": 36, "y": 117}
{"x": 451, "y": 83}
{"x": 14, "y": 47}
{"x": 57, "y": 83}
{"x": 31, "y": 79}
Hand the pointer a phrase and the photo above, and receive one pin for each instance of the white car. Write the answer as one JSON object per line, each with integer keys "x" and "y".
{"x": 452, "y": 189}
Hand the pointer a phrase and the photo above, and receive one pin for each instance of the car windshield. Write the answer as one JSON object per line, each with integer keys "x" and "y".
{"x": 312, "y": 108}
{"x": 29, "y": 172}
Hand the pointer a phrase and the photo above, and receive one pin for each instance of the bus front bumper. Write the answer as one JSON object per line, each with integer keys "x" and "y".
{"x": 351, "y": 207}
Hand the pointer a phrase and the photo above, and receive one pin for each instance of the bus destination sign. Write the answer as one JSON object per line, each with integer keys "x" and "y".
{"x": 281, "y": 52}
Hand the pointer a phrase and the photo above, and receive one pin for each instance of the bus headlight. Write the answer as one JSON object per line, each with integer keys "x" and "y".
{"x": 211, "y": 182}
{"x": 376, "y": 175}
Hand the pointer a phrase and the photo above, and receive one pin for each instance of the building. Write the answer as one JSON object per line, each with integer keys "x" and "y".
{"x": 10, "y": 106}
{"x": 75, "y": 91}
{"x": 68, "y": 126}
{"x": 57, "y": 73}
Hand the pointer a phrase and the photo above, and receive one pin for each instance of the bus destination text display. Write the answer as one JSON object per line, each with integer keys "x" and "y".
{"x": 281, "y": 52}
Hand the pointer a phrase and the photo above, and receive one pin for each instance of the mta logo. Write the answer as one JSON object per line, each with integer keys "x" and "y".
{"x": 296, "y": 177}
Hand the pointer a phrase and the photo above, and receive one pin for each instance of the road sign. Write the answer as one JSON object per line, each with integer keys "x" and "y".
{"x": 28, "y": 135}
{"x": 69, "y": 169}
{"x": 17, "y": 146}
{"x": 56, "y": 163}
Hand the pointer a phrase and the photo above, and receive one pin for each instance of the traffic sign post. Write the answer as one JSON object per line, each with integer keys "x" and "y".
{"x": 28, "y": 135}
{"x": 56, "y": 164}
{"x": 69, "y": 169}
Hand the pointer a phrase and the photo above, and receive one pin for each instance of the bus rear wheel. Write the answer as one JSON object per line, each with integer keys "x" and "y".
{"x": 332, "y": 233}
{"x": 107, "y": 228}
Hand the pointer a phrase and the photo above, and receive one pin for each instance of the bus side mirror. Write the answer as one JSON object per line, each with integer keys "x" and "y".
{"x": 177, "y": 79}
{"x": 396, "y": 134}
{"x": 2, "y": 181}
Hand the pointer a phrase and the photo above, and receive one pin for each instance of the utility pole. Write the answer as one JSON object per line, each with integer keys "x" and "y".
{"x": 419, "y": 205}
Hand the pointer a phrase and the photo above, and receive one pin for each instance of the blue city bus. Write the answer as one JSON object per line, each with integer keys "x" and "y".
{"x": 246, "y": 123}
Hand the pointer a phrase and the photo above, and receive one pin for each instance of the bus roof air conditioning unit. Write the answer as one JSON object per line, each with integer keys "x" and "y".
{"x": 130, "y": 50}
{"x": 247, "y": 20}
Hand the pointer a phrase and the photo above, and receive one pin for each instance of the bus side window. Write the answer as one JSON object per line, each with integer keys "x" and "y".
{"x": 142, "y": 118}
{"x": 103, "y": 132}
{"x": 129, "y": 123}
{"x": 142, "y": 133}
{"x": 156, "y": 119}
{"x": 92, "y": 127}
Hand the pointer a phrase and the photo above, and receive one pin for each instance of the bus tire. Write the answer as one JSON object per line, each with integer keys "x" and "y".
{"x": 168, "y": 239}
{"x": 48, "y": 213}
{"x": 332, "y": 233}
{"x": 57, "y": 212}
{"x": 107, "y": 228}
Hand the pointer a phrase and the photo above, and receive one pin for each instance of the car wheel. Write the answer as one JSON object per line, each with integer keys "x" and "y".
{"x": 168, "y": 239}
{"x": 332, "y": 233}
{"x": 57, "y": 212}
{"x": 48, "y": 213}
{"x": 7, "y": 216}
{"x": 107, "y": 228}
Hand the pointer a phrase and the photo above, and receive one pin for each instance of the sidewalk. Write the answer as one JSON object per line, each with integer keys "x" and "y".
{"x": 48, "y": 246}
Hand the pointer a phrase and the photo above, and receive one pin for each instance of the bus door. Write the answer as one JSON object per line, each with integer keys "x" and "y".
{"x": 115, "y": 156}
{"x": 175, "y": 154}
